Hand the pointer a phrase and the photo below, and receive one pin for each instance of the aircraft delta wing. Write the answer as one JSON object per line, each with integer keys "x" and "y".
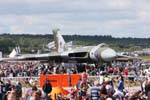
{"x": 86, "y": 54}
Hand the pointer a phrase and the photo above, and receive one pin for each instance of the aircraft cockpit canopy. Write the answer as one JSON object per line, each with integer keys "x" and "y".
{"x": 103, "y": 45}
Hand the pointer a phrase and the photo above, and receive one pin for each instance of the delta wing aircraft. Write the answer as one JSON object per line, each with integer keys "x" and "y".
{"x": 84, "y": 54}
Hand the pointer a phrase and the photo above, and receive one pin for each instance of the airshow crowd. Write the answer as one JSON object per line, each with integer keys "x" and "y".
{"x": 85, "y": 89}
{"x": 34, "y": 69}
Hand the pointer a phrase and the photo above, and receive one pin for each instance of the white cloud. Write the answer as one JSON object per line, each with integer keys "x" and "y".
{"x": 16, "y": 29}
{"x": 143, "y": 16}
{"x": 29, "y": 1}
{"x": 120, "y": 18}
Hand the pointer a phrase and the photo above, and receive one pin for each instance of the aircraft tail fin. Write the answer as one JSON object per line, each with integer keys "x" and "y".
{"x": 59, "y": 41}
{"x": 18, "y": 50}
{"x": 15, "y": 52}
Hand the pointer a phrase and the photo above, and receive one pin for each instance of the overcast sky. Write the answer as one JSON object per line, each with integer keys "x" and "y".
{"x": 119, "y": 18}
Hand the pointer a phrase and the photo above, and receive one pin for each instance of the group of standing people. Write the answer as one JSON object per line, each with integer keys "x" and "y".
{"x": 11, "y": 91}
{"x": 102, "y": 89}
{"x": 97, "y": 90}
{"x": 106, "y": 90}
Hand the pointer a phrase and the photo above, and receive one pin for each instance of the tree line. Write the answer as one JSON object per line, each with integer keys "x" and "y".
{"x": 29, "y": 42}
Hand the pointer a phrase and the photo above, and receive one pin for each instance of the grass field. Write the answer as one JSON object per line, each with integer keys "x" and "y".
{"x": 145, "y": 58}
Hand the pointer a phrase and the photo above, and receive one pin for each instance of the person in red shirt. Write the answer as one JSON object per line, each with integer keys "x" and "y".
{"x": 125, "y": 72}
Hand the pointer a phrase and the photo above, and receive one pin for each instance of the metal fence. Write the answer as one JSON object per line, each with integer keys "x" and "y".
{"x": 25, "y": 80}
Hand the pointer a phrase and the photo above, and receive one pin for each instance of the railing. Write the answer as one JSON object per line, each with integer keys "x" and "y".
{"x": 129, "y": 84}
{"x": 25, "y": 81}
{"x": 37, "y": 79}
{"x": 91, "y": 77}
{"x": 140, "y": 77}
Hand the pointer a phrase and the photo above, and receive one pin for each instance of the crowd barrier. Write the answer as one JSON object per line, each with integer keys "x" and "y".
{"x": 138, "y": 77}
{"x": 64, "y": 80}
{"x": 61, "y": 80}
{"x": 23, "y": 80}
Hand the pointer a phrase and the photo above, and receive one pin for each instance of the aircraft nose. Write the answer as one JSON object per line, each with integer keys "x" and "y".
{"x": 108, "y": 54}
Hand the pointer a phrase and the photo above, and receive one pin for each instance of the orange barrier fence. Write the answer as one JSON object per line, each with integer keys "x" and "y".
{"x": 60, "y": 80}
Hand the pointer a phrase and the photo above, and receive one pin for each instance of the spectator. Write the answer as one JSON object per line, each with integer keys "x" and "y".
{"x": 8, "y": 86}
{"x": 29, "y": 91}
{"x": 1, "y": 89}
{"x": 12, "y": 94}
{"x": 19, "y": 90}
{"x": 34, "y": 96}
{"x": 120, "y": 86}
{"x": 145, "y": 82}
{"x": 147, "y": 89}
{"x": 109, "y": 88}
{"x": 125, "y": 72}
{"x": 73, "y": 94}
{"x": 47, "y": 88}
{"x": 83, "y": 86}
{"x": 95, "y": 91}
